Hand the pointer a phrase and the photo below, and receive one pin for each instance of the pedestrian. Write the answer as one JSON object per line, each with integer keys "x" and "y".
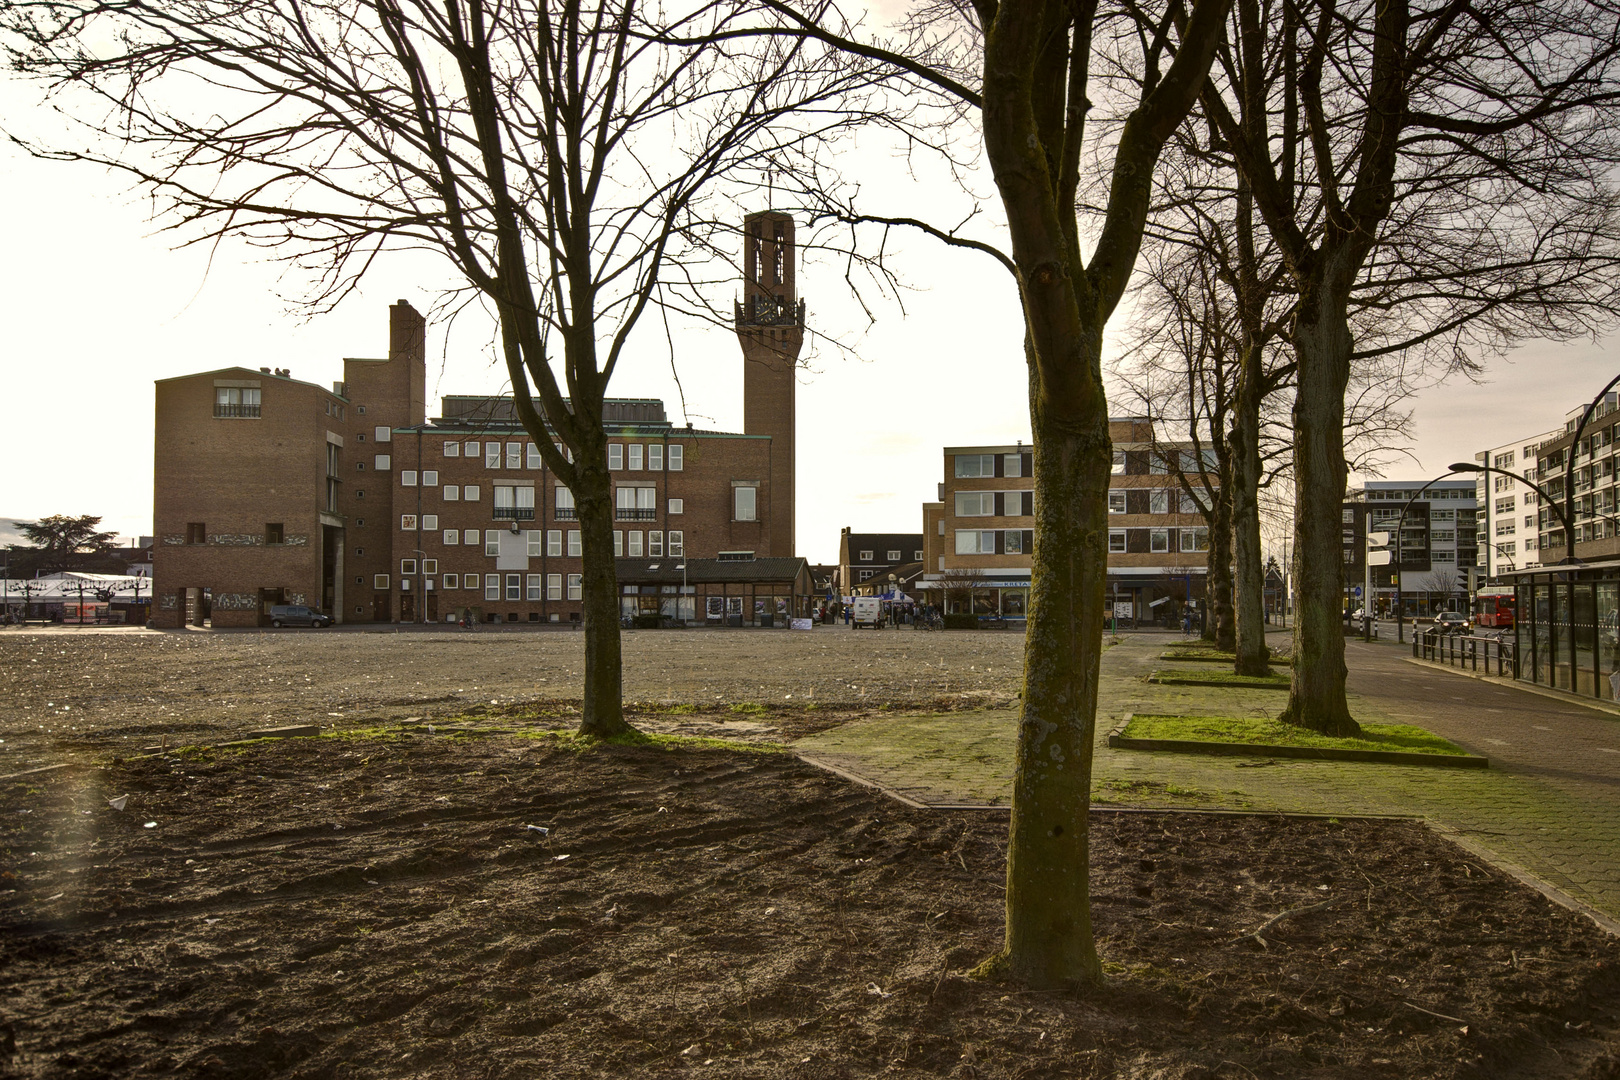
{"x": 1186, "y": 622}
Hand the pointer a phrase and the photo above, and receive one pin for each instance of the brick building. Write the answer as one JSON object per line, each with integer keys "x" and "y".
{"x": 864, "y": 558}
{"x": 272, "y": 490}
{"x": 979, "y": 536}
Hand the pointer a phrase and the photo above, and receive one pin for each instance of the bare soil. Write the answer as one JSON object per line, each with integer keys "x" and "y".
{"x": 387, "y": 905}
{"x": 76, "y": 695}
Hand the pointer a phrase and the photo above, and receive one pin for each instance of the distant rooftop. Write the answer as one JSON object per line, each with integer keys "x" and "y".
{"x": 473, "y": 409}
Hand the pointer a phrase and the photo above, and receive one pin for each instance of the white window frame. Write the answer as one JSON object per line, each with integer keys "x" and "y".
{"x": 382, "y": 462}
{"x": 469, "y": 493}
{"x": 452, "y": 449}
{"x": 634, "y": 546}
{"x": 383, "y": 433}
{"x": 533, "y": 587}
{"x": 452, "y": 537}
{"x": 635, "y": 456}
{"x": 892, "y": 556}
{"x": 554, "y": 543}
{"x": 492, "y": 455}
{"x": 407, "y": 478}
{"x": 492, "y": 586}
{"x": 655, "y": 543}
{"x": 492, "y": 542}
{"x": 430, "y": 566}
{"x": 472, "y": 537}
{"x": 1116, "y": 502}
{"x": 975, "y": 504}
{"x": 615, "y": 457}
{"x": 514, "y": 455}
{"x": 430, "y": 522}
{"x": 430, "y": 477}
{"x": 1159, "y": 541}
{"x": 618, "y": 543}
{"x": 379, "y": 581}
{"x": 471, "y": 449}
{"x": 573, "y": 543}
{"x": 574, "y": 587}
{"x": 553, "y": 586}
{"x": 866, "y": 556}
{"x": 535, "y": 541}
{"x": 738, "y": 511}
{"x": 677, "y": 506}
{"x": 1116, "y": 541}
{"x": 1159, "y": 501}
{"x": 677, "y": 543}
{"x": 655, "y": 457}
{"x": 677, "y": 457}
{"x": 407, "y": 523}
{"x": 532, "y": 458}
{"x": 407, "y": 567}
{"x": 451, "y": 581}
{"x": 452, "y": 493}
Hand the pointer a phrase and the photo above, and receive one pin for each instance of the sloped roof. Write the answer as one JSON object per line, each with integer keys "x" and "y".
{"x": 667, "y": 571}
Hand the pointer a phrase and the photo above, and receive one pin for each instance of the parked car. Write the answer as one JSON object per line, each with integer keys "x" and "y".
{"x": 1451, "y": 622}
{"x": 297, "y": 615}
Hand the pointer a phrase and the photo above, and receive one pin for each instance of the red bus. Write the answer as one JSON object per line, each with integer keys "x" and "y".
{"x": 1493, "y": 607}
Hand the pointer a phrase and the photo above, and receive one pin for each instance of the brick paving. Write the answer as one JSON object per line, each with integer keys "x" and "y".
{"x": 1550, "y": 803}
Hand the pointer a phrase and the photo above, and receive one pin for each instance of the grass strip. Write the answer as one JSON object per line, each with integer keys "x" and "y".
{"x": 1264, "y": 731}
{"x": 1203, "y": 677}
{"x": 1215, "y": 656}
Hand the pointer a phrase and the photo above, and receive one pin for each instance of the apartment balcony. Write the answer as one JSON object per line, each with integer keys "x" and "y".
{"x": 514, "y": 513}
{"x": 630, "y": 513}
{"x": 236, "y": 412}
{"x": 566, "y": 513}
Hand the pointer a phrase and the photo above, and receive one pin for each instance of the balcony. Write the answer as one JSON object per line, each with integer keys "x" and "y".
{"x": 236, "y": 412}
{"x": 631, "y": 513}
{"x": 567, "y": 513}
{"x": 514, "y": 513}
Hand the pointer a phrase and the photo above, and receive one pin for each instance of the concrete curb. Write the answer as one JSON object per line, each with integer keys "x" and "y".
{"x": 1118, "y": 741}
{"x": 1176, "y": 679}
{"x": 1525, "y": 877}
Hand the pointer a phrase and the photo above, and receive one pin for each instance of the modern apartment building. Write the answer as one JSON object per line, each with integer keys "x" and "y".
{"x": 978, "y": 537}
{"x": 1596, "y": 479}
{"x": 1505, "y": 519}
{"x": 1436, "y": 544}
{"x": 270, "y": 490}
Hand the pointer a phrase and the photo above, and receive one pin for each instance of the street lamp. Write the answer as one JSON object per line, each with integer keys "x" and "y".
{"x": 1400, "y": 522}
{"x": 1562, "y": 511}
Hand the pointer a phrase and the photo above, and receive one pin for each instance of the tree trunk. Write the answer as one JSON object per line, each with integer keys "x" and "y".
{"x": 1220, "y": 626}
{"x": 1048, "y": 939}
{"x": 1249, "y": 578}
{"x": 603, "y": 711}
{"x": 1322, "y": 345}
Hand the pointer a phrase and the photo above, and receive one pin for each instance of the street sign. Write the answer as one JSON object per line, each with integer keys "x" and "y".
{"x": 1379, "y": 558}
{"x": 1377, "y": 539}
{"x": 1356, "y": 592}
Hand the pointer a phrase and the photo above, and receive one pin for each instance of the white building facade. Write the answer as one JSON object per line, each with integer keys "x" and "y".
{"x": 1506, "y": 518}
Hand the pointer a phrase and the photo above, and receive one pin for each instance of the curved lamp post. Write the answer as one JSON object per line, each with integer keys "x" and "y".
{"x": 1400, "y": 610}
{"x": 1563, "y": 512}
{"x": 1569, "y": 468}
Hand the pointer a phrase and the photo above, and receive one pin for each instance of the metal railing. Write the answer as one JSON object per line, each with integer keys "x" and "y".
{"x": 1474, "y": 652}
{"x": 236, "y": 411}
{"x": 631, "y": 513}
{"x": 514, "y": 513}
{"x": 567, "y": 513}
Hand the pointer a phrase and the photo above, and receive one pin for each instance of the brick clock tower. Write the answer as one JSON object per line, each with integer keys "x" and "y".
{"x": 770, "y": 327}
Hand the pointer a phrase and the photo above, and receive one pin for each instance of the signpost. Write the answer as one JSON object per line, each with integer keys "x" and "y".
{"x": 1378, "y": 554}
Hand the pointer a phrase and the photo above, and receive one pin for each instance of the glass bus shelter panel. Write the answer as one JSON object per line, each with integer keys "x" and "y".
{"x": 1559, "y": 653}
{"x": 1608, "y": 610}
{"x": 1585, "y": 633}
{"x": 1542, "y": 629}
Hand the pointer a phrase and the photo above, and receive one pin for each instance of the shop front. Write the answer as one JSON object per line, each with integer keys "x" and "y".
{"x": 1567, "y": 628}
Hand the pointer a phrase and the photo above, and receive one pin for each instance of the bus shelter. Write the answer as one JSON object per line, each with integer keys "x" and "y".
{"x": 1567, "y": 627}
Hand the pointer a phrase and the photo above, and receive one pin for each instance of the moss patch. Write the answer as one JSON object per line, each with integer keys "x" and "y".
{"x": 1260, "y": 731}
{"x": 1205, "y": 677}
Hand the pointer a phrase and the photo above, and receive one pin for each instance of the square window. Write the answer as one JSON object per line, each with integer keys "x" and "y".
{"x": 470, "y": 536}
{"x": 379, "y": 581}
{"x": 407, "y": 478}
{"x": 916, "y": 556}
{"x": 383, "y": 434}
{"x": 655, "y": 457}
{"x": 1116, "y": 540}
{"x": 452, "y": 536}
{"x": 452, "y": 493}
{"x": 430, "y": 566}
{"x": 492, "y": 586}
{"x": 553, "y": 586}
{"x": 469, "y": 493}
{"x": 470, "y": 449}
{"x": 1116, "y": 502}
{"x": 407, "y": 522}
{"x": 407, "y": 566}
{"x": 430, "y": 522}
{"x": 677, "y": 458}
{"x": 492, "y": 542}
{"x": 677, "y": 543}
{"x": 677, "y": 506}
{"x": 382, "y": 462}
{"x": 1159, "y": 502}
{"x": 615, "y": 456}
{"x": 743, "y": 503}
{"x": 573, "y": 544}
{"x": 359, "y": 466}
{"x": 1160, "y": 540}
{"x": 554, "y": 544}
{"x": 892, "y": 555}
{"x": 430, "y": 478}
{"x": 452, "y": 449}
{"x": 273, "y": 533}
{"x": 451, "y": 581}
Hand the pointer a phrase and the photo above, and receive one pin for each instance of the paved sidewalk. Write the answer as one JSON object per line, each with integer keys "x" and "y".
{"x": 1550, "y": 802}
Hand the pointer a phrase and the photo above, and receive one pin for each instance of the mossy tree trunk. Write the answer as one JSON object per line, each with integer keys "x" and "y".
{"x": 1036, "y": 58}
{"x": 1248, "y": 573}
{"x": 1221, "y": 626}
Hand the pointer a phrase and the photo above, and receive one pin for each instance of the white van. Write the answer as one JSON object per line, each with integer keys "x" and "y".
{"x": 868, "y": 611}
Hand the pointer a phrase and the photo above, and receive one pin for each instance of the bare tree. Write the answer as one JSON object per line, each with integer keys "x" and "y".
{"x": 1449, "y": 165}
{"x": 563, "y": 157}
{"x": 1024, "y": 68}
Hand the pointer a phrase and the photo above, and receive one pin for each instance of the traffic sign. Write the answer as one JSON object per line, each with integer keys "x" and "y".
{"x": 1380, "y": 558}
{"x": 1377, "y": 539}
{"x": 1356, "y": 592}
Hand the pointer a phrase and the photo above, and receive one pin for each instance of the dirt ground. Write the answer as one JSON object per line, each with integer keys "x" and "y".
{"x": 71, "y": 695}
{"x": 435, "y": 888}
{"x": 415, "y": 905}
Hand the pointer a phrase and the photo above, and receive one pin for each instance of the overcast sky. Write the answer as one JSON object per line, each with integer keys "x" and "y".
{"x": 97, "y": 305}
